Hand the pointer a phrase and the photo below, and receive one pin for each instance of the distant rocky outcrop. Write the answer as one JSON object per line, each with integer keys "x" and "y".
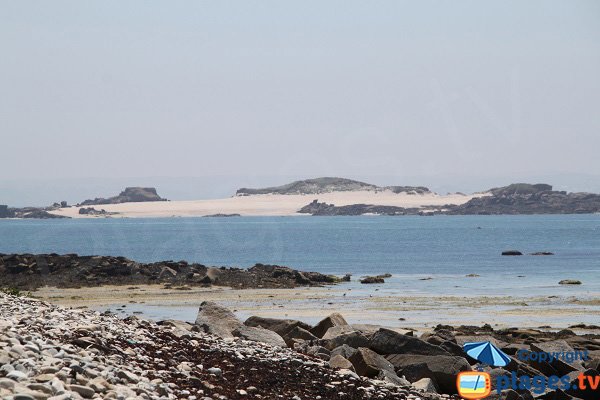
{"x": 328, "y": 185}
{"x": 92, "y": 211}
{"x": 523, "y": 198}
{"x": 518, "y": 198}
{"x": 27, "y": 212}
{"x": 129, "y": 195}
{"x": 324, "y": 209}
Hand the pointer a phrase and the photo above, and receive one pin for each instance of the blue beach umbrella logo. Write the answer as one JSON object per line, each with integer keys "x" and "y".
{"x": 487, "y": 353}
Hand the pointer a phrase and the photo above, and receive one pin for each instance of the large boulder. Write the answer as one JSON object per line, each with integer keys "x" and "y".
{"x": 591, "y": 377}
{"x": 368, "y": 363}
{"x": 563, "y": 366}
{"x": 336, "y": 331}
{"x": 280, "y": 326}
{"x": 335, "y": 319}
{"x": 387, "y": 341}
{"x": 353, "y": 339}
{"x": 391, "y": 377}
{"x": 217, "y": 320}
{"x": 343, "y": 350}
{"x": 339, "y": 362}
{"x": 444, "y": 368}
{"x": 370, "y": 329}
{"x": 426, "y": 385}
{"x": 256, "y": 334}
{"x": 298, "y": 334}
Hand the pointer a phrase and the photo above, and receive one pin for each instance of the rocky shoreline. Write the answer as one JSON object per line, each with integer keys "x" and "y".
{"x": 515, "y": 199}
{"x": 50, "y": 352}
{"x": 31, "y": 271}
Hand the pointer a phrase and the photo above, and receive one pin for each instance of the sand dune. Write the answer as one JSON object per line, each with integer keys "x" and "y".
{"x": 268, "y": 204}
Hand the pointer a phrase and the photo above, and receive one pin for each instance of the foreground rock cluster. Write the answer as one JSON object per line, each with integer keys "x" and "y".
{"x": 30, "y": 271}
{"x": 48, "y": 352}
{"x": 429, "y": 363}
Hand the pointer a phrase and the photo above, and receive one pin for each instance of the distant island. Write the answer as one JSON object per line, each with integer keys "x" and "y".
{"x": 330, "y": 197}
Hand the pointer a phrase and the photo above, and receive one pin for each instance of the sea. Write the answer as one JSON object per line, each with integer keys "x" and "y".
{"x": 428, "y": 256}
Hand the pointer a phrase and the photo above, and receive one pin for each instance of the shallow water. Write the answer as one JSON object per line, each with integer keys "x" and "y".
{"x": 443, "y": 248}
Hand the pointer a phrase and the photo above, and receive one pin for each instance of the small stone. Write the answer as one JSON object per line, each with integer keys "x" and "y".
{"x": 17, "y": 375}
{"x": 44, "y": 377}
{"x": 215, "y": 371}
{"x": 6, "y": 383}
{"x": 128, "y": 376}
{"x": 84, "y": 391}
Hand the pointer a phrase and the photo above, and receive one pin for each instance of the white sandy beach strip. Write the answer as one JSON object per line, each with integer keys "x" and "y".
{"x": 269, "y": 204}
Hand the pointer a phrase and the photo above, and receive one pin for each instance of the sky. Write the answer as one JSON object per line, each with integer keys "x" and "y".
{"x": 204, "y": 96}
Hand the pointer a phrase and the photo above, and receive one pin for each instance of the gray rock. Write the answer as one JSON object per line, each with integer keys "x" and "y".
{"x": 298, "y": 333}
{"x": 256, "y": 334}
{"x": 335, "y": 319}
{"x": 353, "y": 339}
{"x": 368, "y": 363}
{"x": 391, "y": 377}
{"x": 426, "y": 385}
{"x": 167, "y": 273}
{"x": 6, "y": 383}
{"x": 336, "y": 331}
{"x": 217, "y": 320}
{"x": 128, "y": 376}
{"x": 84, "y": 391}
{"x": 17, "y": 375}
{"x": 444, "y": 368}
{"x": 280, "y": 326}
{"x": 215, "y": 371}
{"x": 386, "y": 341}
{"x": 343, "y": 350}
{"x": 569, "y": 282}
{"x": 560, "y": 365}
{"x": 339, "y": 362}
{"x": 23, "y": 396}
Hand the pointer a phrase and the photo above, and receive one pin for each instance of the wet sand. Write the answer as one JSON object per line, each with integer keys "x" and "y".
{"x": 310, "y": 304}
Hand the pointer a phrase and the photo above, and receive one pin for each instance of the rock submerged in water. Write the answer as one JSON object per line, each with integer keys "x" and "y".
{"x": 569, "y": 282}
{"x": 372, "y": 279}
{"x": 376, "y": 278}
{"x": 512, "y": 253}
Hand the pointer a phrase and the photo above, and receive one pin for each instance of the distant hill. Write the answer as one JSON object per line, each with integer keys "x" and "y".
{"x": 129, "y": 195}
{"x": 327, "y": 185}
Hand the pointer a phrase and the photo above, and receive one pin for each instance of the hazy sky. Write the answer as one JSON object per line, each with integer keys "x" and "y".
{"x": 251, "y": 90}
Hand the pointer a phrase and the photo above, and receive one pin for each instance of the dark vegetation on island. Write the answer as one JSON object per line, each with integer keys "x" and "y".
{"x": 31, "y": 271}
{"x": 327, "y": 185}
{"x": 129, "y": 195}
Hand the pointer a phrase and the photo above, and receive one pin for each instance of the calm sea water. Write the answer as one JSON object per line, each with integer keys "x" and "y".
{"x": 445, "y": 248}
